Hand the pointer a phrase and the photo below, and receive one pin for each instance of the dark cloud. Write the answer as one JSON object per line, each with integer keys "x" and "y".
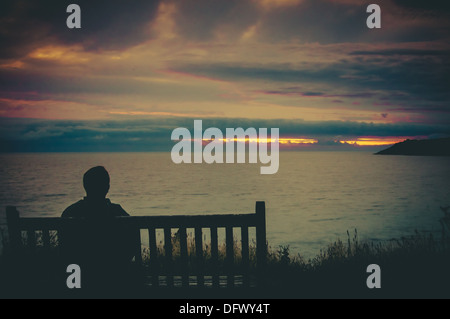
{"x": 277, "y": 73}
{"x": 200, "y": 19}
{"x": 403, "y": 52}
{"x": 328, "y": 21}
{"x": 322, "y": 21}
{"x": 434, "y": 7}
{"x": 317, "y": 21}
{"x": 22, "y": 84}
{"x": 317, "y": 94}
{"x": 119, "y": 24}
{"x": 13, "y": 82}
{"x": 313, "y": 21}
{"x": 105, "y": 25}
{"x": 420, "y": 79}
{"x": 84, "y": 136}
{"x": 154, "y": 134}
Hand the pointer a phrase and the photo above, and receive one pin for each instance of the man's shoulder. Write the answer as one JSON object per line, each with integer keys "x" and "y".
{"x": 83, "y": 209}
{"x": 74, "y": 210}
{"x": 118, "y": 210}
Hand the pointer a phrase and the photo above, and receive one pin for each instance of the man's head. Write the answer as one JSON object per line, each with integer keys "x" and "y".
{"x": 96, "y": 182}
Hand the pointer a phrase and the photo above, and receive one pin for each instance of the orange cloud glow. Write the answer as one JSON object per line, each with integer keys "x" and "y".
{"x": 374, "y": 141}
{"x": 269, "y": 140}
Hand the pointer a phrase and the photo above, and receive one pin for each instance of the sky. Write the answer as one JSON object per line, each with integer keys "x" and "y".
{"x": 136, "y": 70}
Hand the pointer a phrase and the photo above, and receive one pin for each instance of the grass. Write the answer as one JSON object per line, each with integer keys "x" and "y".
{"x": 416, "y": 266}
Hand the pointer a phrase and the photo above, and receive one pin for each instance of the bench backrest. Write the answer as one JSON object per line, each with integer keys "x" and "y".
{"x": 160, "y": 261}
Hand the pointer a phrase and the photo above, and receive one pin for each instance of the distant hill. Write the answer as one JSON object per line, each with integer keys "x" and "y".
{"x": 432, "y": 147}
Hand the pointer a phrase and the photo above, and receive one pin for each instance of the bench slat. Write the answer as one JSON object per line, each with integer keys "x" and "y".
{"x": 215, "y": 256}
{"x": 168, "y": 252}
{"x": 245, "y": 254}
{"x": 199, "y": 256}
{"x": 230, "y": 255}
{"x": 31, "y": 239}
{"x": 138, "y": 249}
{"x": 46, "y": 238}
{"x": 184, "y": 256}
{"x": 154, "y": 269}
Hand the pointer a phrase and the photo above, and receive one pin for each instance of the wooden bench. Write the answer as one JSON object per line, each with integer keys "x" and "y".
{"x": 197, "y": 263}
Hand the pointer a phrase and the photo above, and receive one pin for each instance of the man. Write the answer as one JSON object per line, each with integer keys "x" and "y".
{"x": 102, "y": 247}
{"x": 95, "y": 204}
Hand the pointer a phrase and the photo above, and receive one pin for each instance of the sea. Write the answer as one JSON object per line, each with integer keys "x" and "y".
{"x": 314, "y": 199}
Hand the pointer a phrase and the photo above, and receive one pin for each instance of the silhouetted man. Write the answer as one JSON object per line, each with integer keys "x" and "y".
{"x": 102, "y": 247}
{"x": 95, "y": 204}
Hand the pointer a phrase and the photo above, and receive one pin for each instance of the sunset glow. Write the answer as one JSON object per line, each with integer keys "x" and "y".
{"x": 268, "y": 140}
{"x": 147, "y": 68}
{"x": 374, "y": 141}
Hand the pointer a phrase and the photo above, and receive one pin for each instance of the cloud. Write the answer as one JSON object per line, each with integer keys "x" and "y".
{"x": 118, "y": 25}
{"x": 317, "y": 94}
{"x": 273, "y": 72}
{"x": 419, "y": 79}
{"x": 403, "y": 52}
{"x": 435, "y": 8}
{"x": 106, "y": 25}
{"x": 205, "y": 20}
{"x": 154, "y": 134}
{"x": 235, "y": 58}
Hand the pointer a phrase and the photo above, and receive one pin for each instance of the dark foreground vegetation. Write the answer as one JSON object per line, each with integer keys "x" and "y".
{"x": 417, "y": 266}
